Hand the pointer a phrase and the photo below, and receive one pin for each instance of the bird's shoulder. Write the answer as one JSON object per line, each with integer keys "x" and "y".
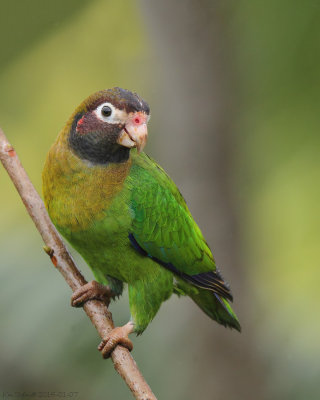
{"x": 149, "y": 178}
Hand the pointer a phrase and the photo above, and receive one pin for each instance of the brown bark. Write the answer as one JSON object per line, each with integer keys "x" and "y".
{"x": 96, "y": 310}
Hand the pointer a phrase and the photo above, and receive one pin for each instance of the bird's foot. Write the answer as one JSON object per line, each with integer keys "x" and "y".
{"x": 90, "y": 291}
{"x": 117, "y": 336}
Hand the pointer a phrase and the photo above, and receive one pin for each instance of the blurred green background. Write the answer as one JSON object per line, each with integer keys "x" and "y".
{"x": 234, "y": 93}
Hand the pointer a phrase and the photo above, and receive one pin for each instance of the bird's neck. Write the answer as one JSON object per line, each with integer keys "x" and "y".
{"x": 79, "y": 188}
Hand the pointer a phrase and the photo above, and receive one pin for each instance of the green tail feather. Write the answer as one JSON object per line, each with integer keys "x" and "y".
{"x": 216, "y": 307}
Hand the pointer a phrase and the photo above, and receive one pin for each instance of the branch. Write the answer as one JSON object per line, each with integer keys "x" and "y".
{"x": 96, "y": 310}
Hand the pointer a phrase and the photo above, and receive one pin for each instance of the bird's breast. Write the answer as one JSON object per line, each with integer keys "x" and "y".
{"x": 78, "y": 195}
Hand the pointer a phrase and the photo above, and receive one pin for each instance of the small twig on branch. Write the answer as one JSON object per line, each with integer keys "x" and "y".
{"x": 96, "y": 310}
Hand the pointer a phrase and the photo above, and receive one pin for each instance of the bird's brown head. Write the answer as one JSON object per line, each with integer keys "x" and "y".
{"x": 108, "y": 124}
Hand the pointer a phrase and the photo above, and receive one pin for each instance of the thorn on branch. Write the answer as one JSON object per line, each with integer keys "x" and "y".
{"x": 10, "y": 150}
{"x": 50, "y": 253}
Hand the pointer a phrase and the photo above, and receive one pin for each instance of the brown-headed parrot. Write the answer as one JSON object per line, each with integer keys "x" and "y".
{"x": 120, "y": 210}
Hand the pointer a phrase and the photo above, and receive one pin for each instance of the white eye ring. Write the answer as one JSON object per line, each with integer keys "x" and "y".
{"x": 104, "y": 118}
{"x": 116, "y": 117}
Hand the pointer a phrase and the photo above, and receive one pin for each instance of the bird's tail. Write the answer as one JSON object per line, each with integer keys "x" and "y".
{"x": 216, "y": 307}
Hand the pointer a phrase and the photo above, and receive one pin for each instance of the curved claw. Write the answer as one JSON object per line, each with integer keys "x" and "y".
{"x": 89, "y": 291}
{"x": 117, "y": 336}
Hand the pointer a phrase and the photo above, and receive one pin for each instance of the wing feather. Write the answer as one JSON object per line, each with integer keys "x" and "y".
{"x": 163, "y": 228}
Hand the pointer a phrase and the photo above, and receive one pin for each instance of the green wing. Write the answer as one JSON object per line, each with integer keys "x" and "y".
{"x": 164, "y": 229}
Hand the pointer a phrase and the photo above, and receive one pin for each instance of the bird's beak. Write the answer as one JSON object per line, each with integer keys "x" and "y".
{"x": 135, "y": 132}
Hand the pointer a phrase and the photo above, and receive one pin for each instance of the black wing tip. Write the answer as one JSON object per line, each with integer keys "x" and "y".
{"x": 212, "y": 280}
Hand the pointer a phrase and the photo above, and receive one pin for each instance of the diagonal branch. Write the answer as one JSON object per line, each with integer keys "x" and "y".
{"x": 97, "y": 311}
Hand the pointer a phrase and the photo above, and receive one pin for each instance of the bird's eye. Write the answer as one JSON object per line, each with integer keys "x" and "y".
{"x": 106, "y": 111}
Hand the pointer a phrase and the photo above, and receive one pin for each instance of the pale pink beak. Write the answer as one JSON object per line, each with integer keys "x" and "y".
{"x": 135, "y": 132}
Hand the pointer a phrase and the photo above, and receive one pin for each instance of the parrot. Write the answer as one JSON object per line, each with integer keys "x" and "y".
{"x": 125, "y": 216}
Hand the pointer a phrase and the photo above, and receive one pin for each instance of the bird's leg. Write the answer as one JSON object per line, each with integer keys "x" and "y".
{"x": 117, "y": 336}
{"x": 90, "y": 291}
